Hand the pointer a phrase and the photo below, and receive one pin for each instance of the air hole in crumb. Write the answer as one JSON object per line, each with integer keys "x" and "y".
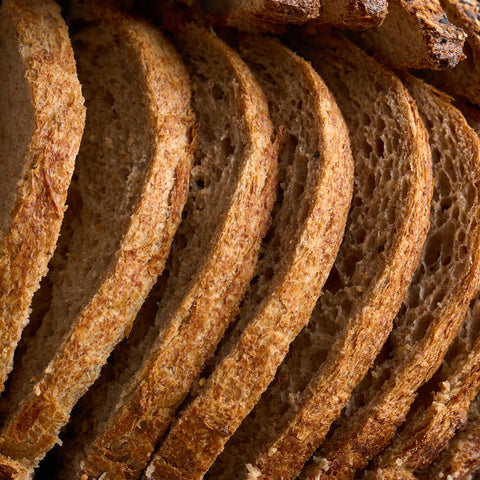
{"x": 334, "y": 282}
{"x": 218, "y": 93}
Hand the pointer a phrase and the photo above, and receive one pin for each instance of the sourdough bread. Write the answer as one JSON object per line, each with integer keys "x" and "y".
{"x": 385, "y": 231}
{"x": 212, "y": 262}
{"x": 132, "y": 179}
{"x": 42, "y": 121}
{"x": 445, "y": 282}
{"x": 308, "y": 223}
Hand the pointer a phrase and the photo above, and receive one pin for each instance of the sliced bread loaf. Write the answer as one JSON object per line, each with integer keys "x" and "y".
{"x": 211, "y": 264}
{"x": 385, "y": 231}
{"x": 131, "y": 180}
{"x": 445, "y": 282}
{"x": 309, "y": 219}
{"x": 42, "y": 121}
{"x": 415, "y": 34}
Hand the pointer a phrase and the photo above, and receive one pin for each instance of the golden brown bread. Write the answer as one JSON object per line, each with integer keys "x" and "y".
{"x": 315, "y": 186}
{"x": 444, "y": 284}
{"x": 42, "y": 121}
{"x": 385, "y": 231}
{"x": 212, "y": 262}
{"x": 132, "y": 178}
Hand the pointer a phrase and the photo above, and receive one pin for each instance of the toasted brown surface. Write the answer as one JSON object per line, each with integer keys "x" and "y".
{"x": 212, "y": 261}
{"x": 444, "y": 284}
{"x": 42, "y": 121}
{"x": 442, "y": 408}
{"x": 415, "y": 34}
{"x": 379, "y": 253}
{"x": 131, "y": 179}
{"x": 316, "y": 179}
{"x": 464, "y": 79}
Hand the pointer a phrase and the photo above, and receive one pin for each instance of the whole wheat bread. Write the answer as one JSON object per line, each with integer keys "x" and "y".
{"x": 309, "y": 219}
{"x": 42, "y": 121}
{"x": 445, "y": 282}
{"x": 385, "y": 231}
{"x": 132, "y": 179}
{"x": 415, "y": 34}
{"x": 212, "y": 262}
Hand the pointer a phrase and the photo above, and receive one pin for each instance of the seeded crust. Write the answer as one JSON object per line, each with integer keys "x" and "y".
{"x": 464, "y": 79}
{"x": 316, "y": 173}
{"x": 132, "y": 179}
{"x": 415, "y": 34}
{"x": 212, "y": 262}
{"x": 444, "y": 284}
{"x": 42, "y": 121}
{"x": 381, "y": 249}
{"x": 442, "y": 407}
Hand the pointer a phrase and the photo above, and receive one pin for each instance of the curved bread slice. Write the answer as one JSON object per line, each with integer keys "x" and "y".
{"x": 131, "y": 179}
{"x": 309, "y": 219}
{"x": 464, "y": 79}
{"x": 441, "y": 409}
{"x": 212, "y": 262}
{"x": 416, "y": 34}
{"x": 461, "y": 457}
{"x": 377, "y": 259}
{"x": 445, "y": 282}
{"x": 42, "y": 121}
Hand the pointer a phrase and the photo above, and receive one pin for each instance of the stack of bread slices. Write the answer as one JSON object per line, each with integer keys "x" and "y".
{"x": 239, "y": 239}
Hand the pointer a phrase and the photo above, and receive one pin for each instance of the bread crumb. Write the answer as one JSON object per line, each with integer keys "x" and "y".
{"x": 272, "y": 451}
{"x": 201, "y": 382}
{"x": 253, "y": 472}
{"x": 37, "y": 390}
{"x": 150, "y": 471}
{"x": 84, "y": 476}
{"x": 322, "y": 462}
{"x": 49, "y": 369}
{"x": 102, "y": 476}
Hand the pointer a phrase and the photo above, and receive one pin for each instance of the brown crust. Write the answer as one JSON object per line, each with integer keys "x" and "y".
{"x": 368, "y": 327}
{"x": 34, "y": 426}
{"x": 59, "y": 117}
{"x": 126, "y": 443}
{"x": 239, "y": 379}
{"x": 361, "y": 436}
{"x": 416, "y": 34}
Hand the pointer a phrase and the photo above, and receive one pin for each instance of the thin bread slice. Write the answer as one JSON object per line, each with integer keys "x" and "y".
{"x": 464, "y": 79}
{"x": 212, "y": 262}
{"x": 445, "y": 282}
{"x": 415, "y": 34}
{"x": 42, "y": 121}
{"x": 132, "y": 180}
{"x": 316, "y": 173}
{"x": 381, "y": 249}
{"x": 441, "y": 407}
{"x": 461, "y": 457}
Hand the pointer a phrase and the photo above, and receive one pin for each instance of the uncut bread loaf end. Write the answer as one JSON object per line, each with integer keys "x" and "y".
{"x": 132, "y": 180}
{"x": 42, "y": 121}
{"x": 234, "y": 179}
{"x": 386, "y": 227}
{"x": 316, "y": 174}
{"x": 445, "y": 282}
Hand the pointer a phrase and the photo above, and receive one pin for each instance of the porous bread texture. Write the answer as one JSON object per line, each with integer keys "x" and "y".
{"x": 351, "y": 15}
{"x": 42, "y": 121}
{"x": 386, "y": 227}
{"x": 461, "y": 458}
{"x": 308, "y": 222}
{"x": 464, "y": 79}
{"x": 415, "y": 34}
{"x": 441, "y": 407}
{"x": 263, "y": 15}
{"x": 445, "y": 282}
{"x": 213, "y": 258}
{"x": 132, "y": 178}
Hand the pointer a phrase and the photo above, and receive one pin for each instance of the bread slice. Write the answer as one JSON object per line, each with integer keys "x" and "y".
{"x": 385, "y": 231}
{"x": 234, "y": 179}
{"x": 42, "y": 121}
{"x": 132, "y": 179}
{"x": 464, "y": 79}
{"x": 316, "y": 174}
{"x": 445, "y": 282}
{"x": 442, "y": 405}
{"x": 415, "y": 34}
{"x": 461, "y": 457}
